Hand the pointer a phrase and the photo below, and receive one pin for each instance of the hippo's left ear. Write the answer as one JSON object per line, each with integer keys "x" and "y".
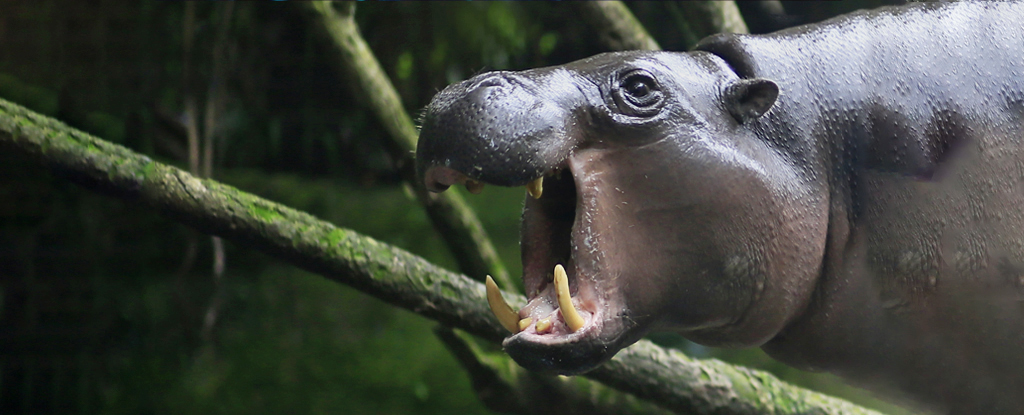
{"x": 748, "y": 99}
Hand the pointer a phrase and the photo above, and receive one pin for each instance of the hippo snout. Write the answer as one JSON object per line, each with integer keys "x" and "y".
{"x": 498, "y": 128}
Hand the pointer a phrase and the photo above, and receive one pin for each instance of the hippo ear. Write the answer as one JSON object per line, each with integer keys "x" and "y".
{"x": 748, "y": 99}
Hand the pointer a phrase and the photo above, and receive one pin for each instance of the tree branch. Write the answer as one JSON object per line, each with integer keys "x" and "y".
{"x": 451, "y": 216}
{"x": 699, "y": 19}
{"x": 619, "y": 29}
{"x": 615, "y": 25}
{"x": 391, "y": 274}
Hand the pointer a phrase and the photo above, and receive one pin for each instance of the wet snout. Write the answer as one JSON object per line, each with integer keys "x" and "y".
{"x": 501, "y": 128}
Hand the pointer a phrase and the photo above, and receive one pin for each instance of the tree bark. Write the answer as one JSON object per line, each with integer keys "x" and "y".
{"x": 391, "y": 274}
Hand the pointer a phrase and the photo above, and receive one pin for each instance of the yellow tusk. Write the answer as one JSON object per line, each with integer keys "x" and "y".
{"x": 536, "y": 187}
{"x": 474, "y": 186}
{"x": 508, "y": 318}
{"x": 569, "y": 313}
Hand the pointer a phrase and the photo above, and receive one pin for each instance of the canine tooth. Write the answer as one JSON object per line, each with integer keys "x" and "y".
{"x": 544, "y": 325}
{"x": 524, "y": 323}
{"x": 536, "y": 187}
{"x": 508, "y": 318}
{"x": 474, "y": 186}
{"x": 569, "y": 313}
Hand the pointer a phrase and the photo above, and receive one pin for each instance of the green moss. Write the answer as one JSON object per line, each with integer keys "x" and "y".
{"x": 335, "y": 237}
{"x": 148, "y": 169}
{"x": 741, "y": 384}
{"x": 448, "y": 291}
{"x": 264, "y": 213}
{"x": 380, "y": 273}
{"x": 22, "y": 121}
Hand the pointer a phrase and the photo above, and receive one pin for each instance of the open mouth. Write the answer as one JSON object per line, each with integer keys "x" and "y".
{"x": 563, "y": 302}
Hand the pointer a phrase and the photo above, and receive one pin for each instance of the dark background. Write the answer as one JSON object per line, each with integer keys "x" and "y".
{"x": 104, "y": 304}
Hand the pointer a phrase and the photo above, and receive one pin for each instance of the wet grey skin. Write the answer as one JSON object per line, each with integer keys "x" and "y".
{"x": 848, "y": 196}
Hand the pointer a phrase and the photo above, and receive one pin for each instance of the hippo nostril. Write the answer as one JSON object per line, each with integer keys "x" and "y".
{"x": 491, "y": 81}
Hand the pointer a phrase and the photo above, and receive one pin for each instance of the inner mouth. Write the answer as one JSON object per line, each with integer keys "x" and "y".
{"x": 546, "y": 233}
{"x": 549, "y": 225}
{"x": 553, "y": 228}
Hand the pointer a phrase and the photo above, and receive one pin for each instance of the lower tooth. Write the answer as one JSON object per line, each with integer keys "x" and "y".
{"x": 524, "y": 323}
{"x": 544, "y": 325}
{"x": 569, "y": 314}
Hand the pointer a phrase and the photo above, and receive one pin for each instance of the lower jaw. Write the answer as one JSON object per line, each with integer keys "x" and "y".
{"x": 569, "y": 358}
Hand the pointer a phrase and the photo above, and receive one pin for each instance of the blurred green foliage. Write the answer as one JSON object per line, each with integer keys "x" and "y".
{"x": 102, "y": 303}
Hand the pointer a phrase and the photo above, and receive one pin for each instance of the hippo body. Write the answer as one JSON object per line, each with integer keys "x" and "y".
{"x": 848, "y": 195}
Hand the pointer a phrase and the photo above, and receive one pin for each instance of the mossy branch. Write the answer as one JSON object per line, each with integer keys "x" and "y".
{"x": 391, "y": 274}
{"x": 710, "y": 17}
{"x": 615, "y": 25}
{"x": 619, "y": 29}
{"x": 696, "y": 20}
{"x": 451, "y": 216}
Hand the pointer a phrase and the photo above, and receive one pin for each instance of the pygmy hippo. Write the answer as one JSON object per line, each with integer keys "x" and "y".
{"x": 848, "y": 196}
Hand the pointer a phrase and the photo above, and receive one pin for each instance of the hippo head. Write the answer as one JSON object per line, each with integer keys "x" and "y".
{"x": 648, "y": 186}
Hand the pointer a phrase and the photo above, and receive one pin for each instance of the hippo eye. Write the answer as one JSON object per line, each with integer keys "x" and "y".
{"x": 638, "y": 93}
{"x": 638, "y": 87}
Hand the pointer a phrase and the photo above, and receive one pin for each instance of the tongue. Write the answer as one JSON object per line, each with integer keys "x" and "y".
{"x": 553, "y": 309}
{"x": 541, "y": 306}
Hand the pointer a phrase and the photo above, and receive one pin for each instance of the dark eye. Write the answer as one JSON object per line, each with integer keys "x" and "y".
{"x": 638, "y": 93}
{"x": 638, "y": 86}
